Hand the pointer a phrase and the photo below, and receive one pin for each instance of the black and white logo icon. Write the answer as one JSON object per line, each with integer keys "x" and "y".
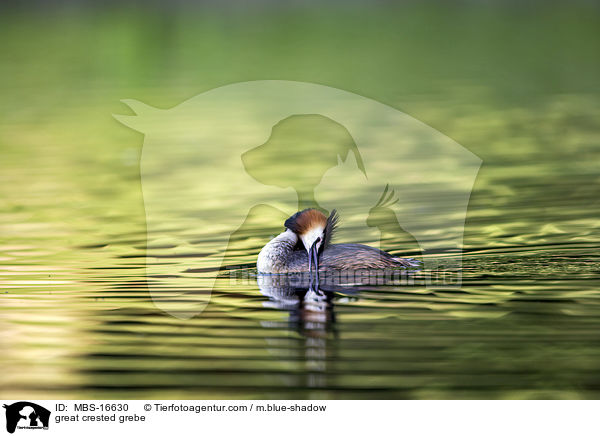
{"x": 26, "y": 415}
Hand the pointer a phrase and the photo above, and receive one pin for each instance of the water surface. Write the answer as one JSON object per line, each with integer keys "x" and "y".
{"x": 76, "y": 316}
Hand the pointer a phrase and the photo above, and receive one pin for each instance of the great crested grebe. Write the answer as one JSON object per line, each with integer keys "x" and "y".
{"x": 311, "y": 228}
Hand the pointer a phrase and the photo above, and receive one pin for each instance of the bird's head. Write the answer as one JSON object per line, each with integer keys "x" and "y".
{"x": 315, "y": 230}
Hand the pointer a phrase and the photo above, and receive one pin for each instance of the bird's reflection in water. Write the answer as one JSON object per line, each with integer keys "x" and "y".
{"x": 312, "y": 315}
{"x": 314, "y": 312}
{"x": 310, "y": 306}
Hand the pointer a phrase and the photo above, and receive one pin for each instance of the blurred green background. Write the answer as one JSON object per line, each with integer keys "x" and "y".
{"x": 517, "y": 83}
{"x": 484, "y": 73}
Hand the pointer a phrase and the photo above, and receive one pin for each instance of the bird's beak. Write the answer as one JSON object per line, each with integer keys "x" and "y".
{"x": 310, "y": 257}
{"x": 313, "y": 258}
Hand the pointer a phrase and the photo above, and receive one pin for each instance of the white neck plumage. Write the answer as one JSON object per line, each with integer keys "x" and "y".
{"x": 273, "y": 256}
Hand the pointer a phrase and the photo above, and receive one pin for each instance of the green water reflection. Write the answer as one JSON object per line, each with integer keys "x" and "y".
{"x": 514, "y": 85}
